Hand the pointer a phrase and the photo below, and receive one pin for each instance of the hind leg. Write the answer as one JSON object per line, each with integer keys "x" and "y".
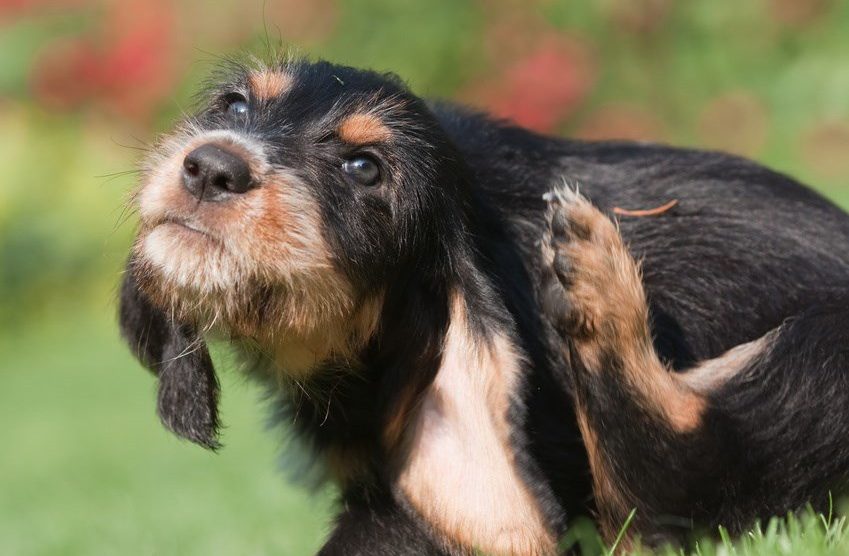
{"x": 712, "y": 445}
{"x": 604, "y": 310}
{"x": 625, "y": 396}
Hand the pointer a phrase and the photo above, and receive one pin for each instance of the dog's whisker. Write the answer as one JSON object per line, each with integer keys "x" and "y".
{"x": 118, "y": 174}
{"x": 143, "y": 147}
{"x": 193, "y": 347}
{"x": 127, "y": 212}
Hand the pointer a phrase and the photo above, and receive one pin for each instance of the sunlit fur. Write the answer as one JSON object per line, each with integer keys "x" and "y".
{"x": 407, "y": 331}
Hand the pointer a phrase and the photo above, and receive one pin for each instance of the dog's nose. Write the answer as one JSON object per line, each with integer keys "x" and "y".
{"x": 212, "y": 173}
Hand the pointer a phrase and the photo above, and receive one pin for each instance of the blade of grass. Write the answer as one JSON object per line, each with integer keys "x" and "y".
{"x": 622, "y": 532}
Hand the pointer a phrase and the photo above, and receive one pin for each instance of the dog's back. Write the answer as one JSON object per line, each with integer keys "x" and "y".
{"x": 741, "y": 249}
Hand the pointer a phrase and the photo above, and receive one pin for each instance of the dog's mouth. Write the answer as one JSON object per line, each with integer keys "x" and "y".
{"x": 186, "y": 254}
{"x": 184, "y": 226}
{"x": 186, "y": 229}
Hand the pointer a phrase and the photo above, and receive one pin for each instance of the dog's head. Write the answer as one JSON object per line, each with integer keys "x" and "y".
{"x": 278, "y": 216}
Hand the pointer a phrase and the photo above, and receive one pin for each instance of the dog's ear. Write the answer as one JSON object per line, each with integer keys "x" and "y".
{"x": 188, "y": 388}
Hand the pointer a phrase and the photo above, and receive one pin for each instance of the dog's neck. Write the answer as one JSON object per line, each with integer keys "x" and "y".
{"x": 436, "y": 388}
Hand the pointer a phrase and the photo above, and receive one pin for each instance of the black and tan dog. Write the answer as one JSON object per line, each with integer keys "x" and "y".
{"x": 469, "y": 347}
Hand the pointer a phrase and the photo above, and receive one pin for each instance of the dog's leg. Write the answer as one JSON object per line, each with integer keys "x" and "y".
{"x": 604, "y": 310}
{"x": 625, "y": 396}
{"x": 372, "y": 524}
{"x": 753, "y": 433}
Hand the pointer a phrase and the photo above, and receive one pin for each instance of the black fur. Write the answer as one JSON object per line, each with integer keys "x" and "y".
{"x": 188, "y": 388}
{"x": 744, "y": 250}
{"x": 772, "y": 440}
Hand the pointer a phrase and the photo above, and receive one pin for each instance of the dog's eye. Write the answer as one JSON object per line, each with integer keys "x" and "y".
{"x": 236, "y": 105}
{"x": 362, "y": 169}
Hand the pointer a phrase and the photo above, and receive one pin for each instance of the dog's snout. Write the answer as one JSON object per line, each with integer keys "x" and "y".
{"x": 212, "y": 173}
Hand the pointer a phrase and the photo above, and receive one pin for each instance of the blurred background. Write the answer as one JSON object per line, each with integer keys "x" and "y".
{"x": 85, "y": 86}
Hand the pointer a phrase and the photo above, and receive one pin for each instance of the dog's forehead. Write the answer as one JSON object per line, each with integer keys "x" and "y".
{"x": 326, "y": 92}
{"x": 269, "y": 84}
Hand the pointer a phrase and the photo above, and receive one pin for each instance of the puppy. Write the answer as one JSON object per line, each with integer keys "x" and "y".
{"x": 465, "y": 343}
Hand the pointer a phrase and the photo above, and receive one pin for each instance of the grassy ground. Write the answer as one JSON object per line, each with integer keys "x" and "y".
{"x": 86, "y": 468}
{"x": 807, "y": 534}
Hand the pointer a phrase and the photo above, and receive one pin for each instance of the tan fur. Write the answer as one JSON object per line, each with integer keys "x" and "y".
{"x": 254, "y": 268}
{"x": 363, "y": 129}
{"x": 298, "y": 353}
{"x": 458, "y": 469}
{"x": 709, "y": 375}
{"x": 268, "y": 84}
{"x": 611, "y": 311}
{"x": 611, "y": 501}
{"x": 609, "y": 317}
{"x": 399, "y": 417}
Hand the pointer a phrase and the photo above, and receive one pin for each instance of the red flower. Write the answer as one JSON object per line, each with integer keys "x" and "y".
{"x": 544, "y": 87}
{"x": 63, "y": 76}
{"x": 124, "y": 64}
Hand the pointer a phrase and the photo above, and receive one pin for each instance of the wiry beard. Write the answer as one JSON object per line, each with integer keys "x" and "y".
{"x": 294, "y": 324}
{"x": 243, "y": 305}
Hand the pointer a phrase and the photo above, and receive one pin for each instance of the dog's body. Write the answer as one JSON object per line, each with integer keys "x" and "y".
{"x": 487, "y": 387}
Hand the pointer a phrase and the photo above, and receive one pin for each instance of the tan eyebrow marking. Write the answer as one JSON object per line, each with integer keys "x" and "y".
{"x": 269, "y": 84}
{"x": 360, "y": 129}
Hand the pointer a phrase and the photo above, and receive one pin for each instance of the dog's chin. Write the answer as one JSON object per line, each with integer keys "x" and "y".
{"x": 188, "y": 259}
{"x": 189, "y": 274}
{"x": 200, "y": 281}
{"x": 297, "y": 314}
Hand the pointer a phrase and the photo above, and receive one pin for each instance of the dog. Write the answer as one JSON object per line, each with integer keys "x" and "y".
{"x": 482, "y": 332}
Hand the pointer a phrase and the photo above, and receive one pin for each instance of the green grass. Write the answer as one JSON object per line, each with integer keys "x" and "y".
{"x": 805, "y": 534}
{"x": 86, "y": 468}
{"x": 808, "y": 534}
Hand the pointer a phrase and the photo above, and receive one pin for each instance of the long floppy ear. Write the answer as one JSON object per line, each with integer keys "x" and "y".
{"x": 458, "y": 467}
{"x": 188, "y": 388}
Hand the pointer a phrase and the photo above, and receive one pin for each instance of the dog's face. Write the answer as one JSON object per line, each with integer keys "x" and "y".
{"x": 280, "y": 213}
{"x": 281, "y": 210}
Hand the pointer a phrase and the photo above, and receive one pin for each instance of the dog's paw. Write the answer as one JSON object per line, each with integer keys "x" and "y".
{"x": 591, "y": 289}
